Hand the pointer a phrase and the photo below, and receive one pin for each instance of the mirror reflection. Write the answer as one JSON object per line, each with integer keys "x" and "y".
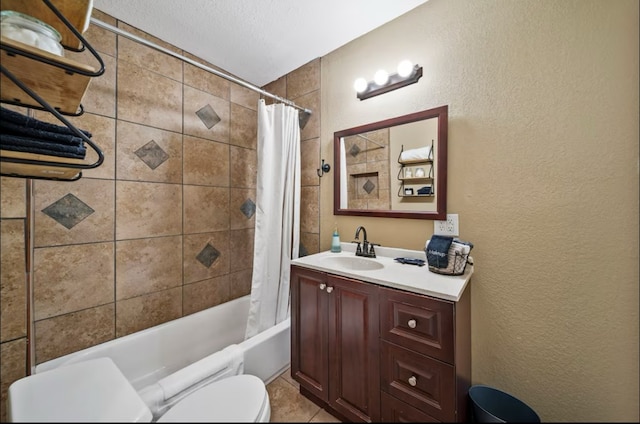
{"x": 393, "y": 168}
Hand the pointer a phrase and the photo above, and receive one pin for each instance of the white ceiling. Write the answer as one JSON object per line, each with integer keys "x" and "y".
{"x": 257, "y": 40}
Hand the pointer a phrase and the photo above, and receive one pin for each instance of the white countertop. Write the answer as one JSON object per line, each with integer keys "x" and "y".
{"x": 413, "y": 278}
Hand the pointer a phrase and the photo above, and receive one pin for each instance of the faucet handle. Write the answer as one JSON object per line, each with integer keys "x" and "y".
{"x": 358, "y": 248}
{"x": 372, "y": 251}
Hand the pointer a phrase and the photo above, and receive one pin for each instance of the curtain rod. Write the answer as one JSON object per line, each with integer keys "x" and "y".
{"x": 194, "y": 63}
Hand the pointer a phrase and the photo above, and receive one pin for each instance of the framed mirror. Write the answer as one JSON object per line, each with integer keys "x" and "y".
{"x": 396, "y": 168}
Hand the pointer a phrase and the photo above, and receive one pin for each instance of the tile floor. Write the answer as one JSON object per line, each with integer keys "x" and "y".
{"x": 289, "y": 406}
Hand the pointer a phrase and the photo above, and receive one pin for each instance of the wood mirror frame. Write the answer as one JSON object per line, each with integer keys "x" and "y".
{"x": 440, "y": 177}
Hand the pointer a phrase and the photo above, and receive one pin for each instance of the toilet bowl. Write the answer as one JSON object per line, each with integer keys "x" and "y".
{"x": 96, "y": 390}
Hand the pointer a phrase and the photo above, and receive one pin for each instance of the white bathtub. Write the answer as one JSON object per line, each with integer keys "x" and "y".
{"x": 175, "y": 350}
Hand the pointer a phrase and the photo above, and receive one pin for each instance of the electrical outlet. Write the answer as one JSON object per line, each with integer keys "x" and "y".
{"x": 448, "y": 227}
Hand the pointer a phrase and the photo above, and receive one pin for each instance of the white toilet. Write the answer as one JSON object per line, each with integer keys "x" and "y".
{"x": 96, "y": 390}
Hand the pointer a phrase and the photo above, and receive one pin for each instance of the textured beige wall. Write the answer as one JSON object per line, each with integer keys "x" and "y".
{"x": 543, "y": 172}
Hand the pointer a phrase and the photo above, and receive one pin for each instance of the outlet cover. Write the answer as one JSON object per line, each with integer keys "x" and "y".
{"x": 448, "y": 227}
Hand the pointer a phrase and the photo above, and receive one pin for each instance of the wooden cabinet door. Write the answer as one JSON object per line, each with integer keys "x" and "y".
{"x": 354, "y": 362}
{"x": 309, "y": 343}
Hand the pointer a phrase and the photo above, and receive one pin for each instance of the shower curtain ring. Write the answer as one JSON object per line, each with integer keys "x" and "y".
{"x": 325, "y": 167}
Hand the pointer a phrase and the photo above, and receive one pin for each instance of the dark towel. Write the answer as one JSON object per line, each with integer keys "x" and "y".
{"x": 26, "y": 121}
{"x": 438, "y": 251}
{"x": 10, "y": 128}
{"x": 424, "y": 190}
{"x": 30, "y": 145}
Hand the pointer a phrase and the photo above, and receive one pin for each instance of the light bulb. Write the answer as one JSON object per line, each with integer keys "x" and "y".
{"x": 360, "y": 85}
{"x": 381, "y": 77}
{"x": 405, "y": 68}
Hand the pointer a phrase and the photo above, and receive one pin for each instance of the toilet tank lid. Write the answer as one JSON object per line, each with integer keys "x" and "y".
{"x": 92, "y": 390}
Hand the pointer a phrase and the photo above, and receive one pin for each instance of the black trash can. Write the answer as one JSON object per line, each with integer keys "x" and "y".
{"x": 495, "y": 406}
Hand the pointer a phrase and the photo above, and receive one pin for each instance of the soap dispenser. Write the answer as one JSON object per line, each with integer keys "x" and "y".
{"x": 335, "y": 241}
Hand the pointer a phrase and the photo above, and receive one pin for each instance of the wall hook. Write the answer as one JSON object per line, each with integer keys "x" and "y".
{"x": 325, "y": 167}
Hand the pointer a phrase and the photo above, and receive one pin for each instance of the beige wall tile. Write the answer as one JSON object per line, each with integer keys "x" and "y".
{"x": 381, "y": 169}
{"x": 277, "y": 87}
{"x": 194, "y": 101}
{"x": 148, "y": 265}
{"x": 205, "y": 294}
{"x": 310, "y": 101}
{"x": 100, "y": 97}
{"x": 146, "y": 57}
{"x": 103, "y": 130}
{"x": 309, "y": 209}
{"x": 243, "y": 167}
{"x": 13, "y": 200}
{"x": 102, "y": 40}
{"x": 310, "y": 162}
{"x": 13, "y": 280}
{"x": 197, "y": 244}
{"x": 244, "y": 127}
{"x": 206, "y": 209}
{"x": 145, "y": 311}
{"x": 206, "y": 162}
{"x": 241, "y": 247}
{"x": 244, "y": 97}
{"x": 311, "y": 242}
{"x": 304, "y": 80}
{"x": 242, "y": 208}
{"x": 374, "y": 152}
{"x": 96, "y": 226}
{"x": 206, "y": 81}
{"x": 145, "y": 97}
{"x": 13, "y": 366}
{"x": 158, "y": 157}
{"x": 64, "y": 334}
{"x": 72, "y": 278}
{"x": 147, "y": 209}
{"x": 240, "y": 283}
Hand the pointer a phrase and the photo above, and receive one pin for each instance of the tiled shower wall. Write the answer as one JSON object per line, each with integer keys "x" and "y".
{"x": 164, "y": 228}
{"x": 368, "y": 170}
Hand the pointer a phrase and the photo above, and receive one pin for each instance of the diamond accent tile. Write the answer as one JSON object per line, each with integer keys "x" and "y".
{"x": 208, "y": 116}
{"x": 68, "y": 211}
{"x": 248, "y": 208}
{"x": 368, "y": 186}
{"x": 354, "y": 150}
{"x": 152, "y": 154}
{"x": 208, "y": 255}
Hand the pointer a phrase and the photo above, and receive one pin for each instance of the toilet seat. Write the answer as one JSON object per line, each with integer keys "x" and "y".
{"x": 96, "y": 390}
{"x": 240, "y": 398}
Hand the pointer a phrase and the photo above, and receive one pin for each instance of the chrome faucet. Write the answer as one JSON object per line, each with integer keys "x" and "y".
{"x": 367, "y": 249}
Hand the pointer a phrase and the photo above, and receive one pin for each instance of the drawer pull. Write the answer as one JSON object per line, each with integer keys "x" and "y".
{"x": 412, "y": 323}
{"x": 329, "y": 289}
{"x": 413, "y": 381}
{"x": 322, "y": 286}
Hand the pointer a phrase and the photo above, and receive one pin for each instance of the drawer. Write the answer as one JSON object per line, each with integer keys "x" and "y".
{"x": 417, "y": 322}
{"x": 420, "y": 381}
{"x": 396, "y": 411}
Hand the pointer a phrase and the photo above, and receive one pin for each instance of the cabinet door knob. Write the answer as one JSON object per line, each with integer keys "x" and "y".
{"x": 412, "y": 323}
{"x": 322, "y": 286}
{"x": 413, "y": 381}
{"x": 329, "y": 289}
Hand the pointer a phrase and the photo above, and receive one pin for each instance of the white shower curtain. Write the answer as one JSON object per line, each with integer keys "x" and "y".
{"x": 277, "y": 228}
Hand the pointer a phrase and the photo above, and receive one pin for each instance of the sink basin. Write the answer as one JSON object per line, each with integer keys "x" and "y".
{"x": 354, "y": 263}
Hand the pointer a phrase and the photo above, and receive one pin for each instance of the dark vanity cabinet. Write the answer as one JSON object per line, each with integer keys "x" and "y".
{"x": 335, "y": 343}
{"x": 373, "y": 353}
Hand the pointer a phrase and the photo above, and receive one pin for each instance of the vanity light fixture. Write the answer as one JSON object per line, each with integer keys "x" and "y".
{"x": 383, "y": 82}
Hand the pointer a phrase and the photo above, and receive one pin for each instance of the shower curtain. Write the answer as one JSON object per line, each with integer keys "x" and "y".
{"x": 277, "y": 228}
